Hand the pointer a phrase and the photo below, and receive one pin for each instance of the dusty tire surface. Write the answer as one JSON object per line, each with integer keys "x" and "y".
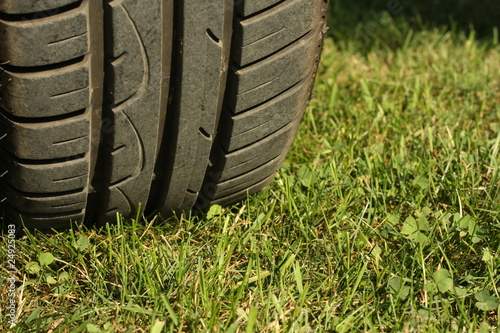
{"x": 173, "y": 105}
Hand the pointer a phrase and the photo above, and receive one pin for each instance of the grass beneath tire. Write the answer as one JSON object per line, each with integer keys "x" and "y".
{"x": 385, "y": 216}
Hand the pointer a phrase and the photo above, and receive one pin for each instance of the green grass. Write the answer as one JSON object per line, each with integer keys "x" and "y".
{"x": 385, "y": 216}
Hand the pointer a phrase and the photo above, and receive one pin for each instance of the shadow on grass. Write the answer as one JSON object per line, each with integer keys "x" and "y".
{"x": 348, "y": 17}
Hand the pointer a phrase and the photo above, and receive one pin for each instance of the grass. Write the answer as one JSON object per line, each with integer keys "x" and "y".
{"x": 385, "y": 216}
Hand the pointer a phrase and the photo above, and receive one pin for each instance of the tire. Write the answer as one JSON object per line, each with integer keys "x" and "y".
{"x": 175, "y": 105}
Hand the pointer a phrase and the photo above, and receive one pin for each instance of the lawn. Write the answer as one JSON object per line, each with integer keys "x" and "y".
{"x": 385, "y": 216}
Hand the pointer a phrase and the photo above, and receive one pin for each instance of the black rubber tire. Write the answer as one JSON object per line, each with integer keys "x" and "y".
{"x": 172, "y": 104}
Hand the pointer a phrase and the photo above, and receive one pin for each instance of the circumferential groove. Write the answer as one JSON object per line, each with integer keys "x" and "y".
{"x": 172, "y": 13}
{"x": 40, "y": 14}
{"x": 98, "y": 127}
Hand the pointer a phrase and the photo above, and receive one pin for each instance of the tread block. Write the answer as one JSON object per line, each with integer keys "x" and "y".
{"x": 117, "y": 202}
{"x": 206, "y": 35}
{"x": 48, "y": 93}
{"x": 264, "y": 80}
{"x": 58, "y": 139}
{"x": 247, "y": 8}
{"x": 126, "y": 151}
{"x": 129, "y": 67}
{"x": 33, "y": 6}
{"x": 253, "y": 125}
{"x": 270, "y": 31}
{"x": 46, "y": 178}
{"x": 139, "y": 34}
{"x": 275, "y": 51}
{"x": 56, "y": 39}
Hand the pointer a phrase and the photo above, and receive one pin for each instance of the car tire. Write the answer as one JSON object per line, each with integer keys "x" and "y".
{"x": 169, "y": 105}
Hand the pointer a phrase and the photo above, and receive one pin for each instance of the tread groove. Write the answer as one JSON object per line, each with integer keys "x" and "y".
{"x": 249, "y": 171}
{"x": 42, "y": 216}
{"x": 255, "y": 143}
{"x": 70, "y": 140}
{"x": 21, "y": 70}
{"x": 68, "y": 204}
{"x": 237, "y": 67}
{"x": 68, "y": 178}
{"x": 264, "y": 37}
{"x": 24, "y": 161}
{"x": 68, "y": 39}
{"x": 240, "y": 195}
{"x": 64, "y": 94}
{"x": 26, "y": 120}
{"x": 212, "y": 36}
{"x": 263, "y": 10}
{"x": 11, "y": 188}
{"x": 40, "y": 14}
{"x": 268, "y": 100}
